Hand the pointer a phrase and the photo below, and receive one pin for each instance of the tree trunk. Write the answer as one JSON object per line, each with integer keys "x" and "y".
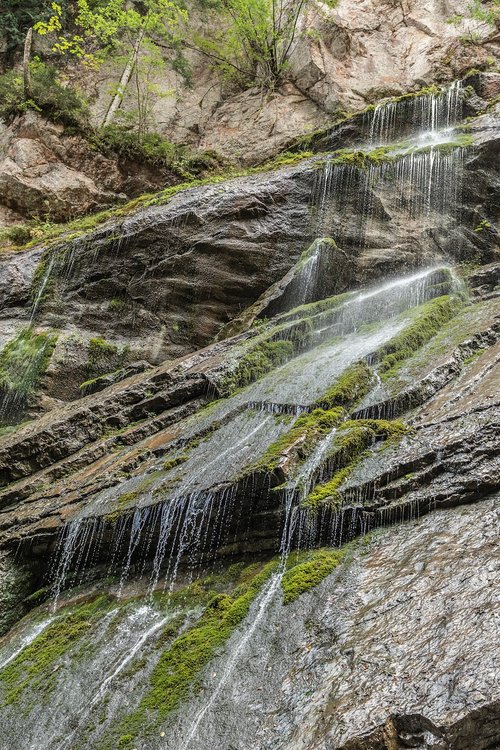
{"x": 28, "y": 94}
{"x": 124, "y": 81}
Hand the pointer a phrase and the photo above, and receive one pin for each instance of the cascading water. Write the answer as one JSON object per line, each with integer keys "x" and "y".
{"x": 423, "y": 173}
{"x": 187, "y": 512}
{"x": 425, "y": 113}
{"x": 181, "y": 512}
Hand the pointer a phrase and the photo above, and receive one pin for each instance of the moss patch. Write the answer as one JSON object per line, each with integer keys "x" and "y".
{"x": 314, "y": 308}
{"x": 353, "y": 439}
{"x": 363, "y": 159}
{"x": 306, "y": 431}
{"x": 178, "y": 669}
{"x": 23, "y": 361}
{"x": 429, "y": 319}
{"x": 308, "y": 574}
{"x": 33, "y": 666}
{"x": 352, "y": 385}
{"x": 261, "y": 359}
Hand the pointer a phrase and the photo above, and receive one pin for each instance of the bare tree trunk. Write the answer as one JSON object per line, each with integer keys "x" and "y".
{"x": 26, "y": 64}
{"x": 124, "y": 81}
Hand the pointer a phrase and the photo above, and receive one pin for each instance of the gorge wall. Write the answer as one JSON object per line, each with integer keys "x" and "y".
{"x": 249, "y": 469}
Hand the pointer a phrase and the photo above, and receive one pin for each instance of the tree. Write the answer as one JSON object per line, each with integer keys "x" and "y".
{"x": 115, "y": 27}
{"x": 256, "y": 40}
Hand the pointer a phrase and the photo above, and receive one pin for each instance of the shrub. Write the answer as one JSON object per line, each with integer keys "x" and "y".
{"x": 56, "y": 102}
{"x": 19, "y": 234}
{"x": 155, "y": 150}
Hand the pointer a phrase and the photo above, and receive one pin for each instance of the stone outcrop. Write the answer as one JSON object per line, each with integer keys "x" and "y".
{"x": 47, "y": 173}
{"x": 345, "y": 57}
{"x": 233, "y": 411}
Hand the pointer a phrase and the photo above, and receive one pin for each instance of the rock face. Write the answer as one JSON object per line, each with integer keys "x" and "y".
{"x": 215, "y": 250}
{"x": 280, "y": 534}
{"x": 400, "y": 638}
{"x": 345, "y": 57}
{"x": 45, "y": 172}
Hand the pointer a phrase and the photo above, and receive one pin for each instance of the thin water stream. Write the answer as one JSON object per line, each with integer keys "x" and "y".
{"x": 181, "y": 514}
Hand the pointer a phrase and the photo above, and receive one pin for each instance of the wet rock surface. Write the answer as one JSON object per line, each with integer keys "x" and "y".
{"x": 168, "y": 279}
{"x": 401, "y": 637}
{"x": 282, "y": 436}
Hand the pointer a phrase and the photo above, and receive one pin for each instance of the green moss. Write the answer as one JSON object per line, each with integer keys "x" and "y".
{"x": 38, "y": 596}
{"x": 363, "y": 159}
{"x": 262, "y": 358}
{"x": 429, "y": 319}
{"x": 431, "y": 90}
{"x": 32, "y": 668}
{"x": 23, "y": 361}
{"x": 92, "y": 385}
{"x": 462, "y": 141}
{"x": 178, "y": 669}
{"x": 302, "y": 437}
{"x": 474, "y": 356}
{"x": 314, "y": 308}
{"x": 103, "y": 355}
{"x": 352, "y": 385}
{"x": 353, "y": 439}
{"x": 308, "y": 574}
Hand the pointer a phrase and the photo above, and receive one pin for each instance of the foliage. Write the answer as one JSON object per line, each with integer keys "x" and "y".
{"x": 16, "y": 18}
{"x": 50, "y": 97}
{"x": 484, "y": 13}
{"x": 256, "y": 40}
{"x": 19, "y": 234}
{"x": 308, "y": 574}
{"x": 483, "y": 224}
{"x": 155, "y": 150}
{"x": 108, "y": 24}
{"x": 114, "y": 28}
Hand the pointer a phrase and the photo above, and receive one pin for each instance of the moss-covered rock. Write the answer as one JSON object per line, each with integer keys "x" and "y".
{"x": 307, "y": 574}
{"x": 429, "y": 319}
{"x": 352, "y": 440}
{"x": 33, "y": 665}
{"x": 177, "y": 671}
{"x": 23, "y": 362}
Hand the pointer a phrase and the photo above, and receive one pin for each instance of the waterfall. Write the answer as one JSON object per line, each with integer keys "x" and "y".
{"x": 193, "y": 497}
{"x": 190, "y": 516}
{"x": 425, "y": 113}
{"x": 424, "y": 173}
